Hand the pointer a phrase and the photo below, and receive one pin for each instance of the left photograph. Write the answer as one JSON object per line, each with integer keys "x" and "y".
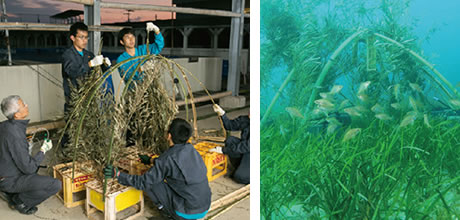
{"x": 125, "y": 109}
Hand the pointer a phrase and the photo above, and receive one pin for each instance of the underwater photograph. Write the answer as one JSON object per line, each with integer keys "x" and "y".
{"x": 360, "y": 109}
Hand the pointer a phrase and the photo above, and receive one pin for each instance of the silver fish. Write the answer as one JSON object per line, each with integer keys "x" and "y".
{"x": 351, "y": 134}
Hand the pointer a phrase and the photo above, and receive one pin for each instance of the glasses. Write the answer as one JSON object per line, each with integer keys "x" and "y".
{"x": 83, "y": 37}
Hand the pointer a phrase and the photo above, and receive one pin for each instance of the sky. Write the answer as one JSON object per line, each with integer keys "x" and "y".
{"x": 41, "y": 10}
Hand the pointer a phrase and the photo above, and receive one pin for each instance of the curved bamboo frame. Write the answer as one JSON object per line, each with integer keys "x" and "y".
{"x": 337, "y": 52}
{"x": 87, "y": 98}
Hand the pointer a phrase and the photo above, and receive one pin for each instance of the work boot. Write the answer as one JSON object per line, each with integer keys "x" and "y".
{"x": 8, "y": 197}
{"x": 24, "y": 209}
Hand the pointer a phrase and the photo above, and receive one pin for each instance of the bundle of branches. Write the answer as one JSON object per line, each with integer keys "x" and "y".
{"x": 98, "y": 122}
{"x": 150, "y": 110}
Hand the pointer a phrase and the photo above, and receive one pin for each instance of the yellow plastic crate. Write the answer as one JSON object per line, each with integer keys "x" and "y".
{"x": 216, "y": 164}
{"x": 131, "y": 162}
{"x": 73, "y": 192}
{"x": 121, "y": 198}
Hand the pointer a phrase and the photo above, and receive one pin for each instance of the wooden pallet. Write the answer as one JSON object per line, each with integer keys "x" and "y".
{"x": 73, "y": 192}
{"x": 123, "y": 197}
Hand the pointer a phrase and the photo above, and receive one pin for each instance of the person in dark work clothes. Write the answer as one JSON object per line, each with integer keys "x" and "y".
{"x": 19, "y": 182}
{"x": 77, "y": 63}
{"x": 237, "y": 149}
{"x": 177, "y": 183}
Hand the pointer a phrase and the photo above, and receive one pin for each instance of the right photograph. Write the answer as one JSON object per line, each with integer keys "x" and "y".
{"x": 359, "y": 109}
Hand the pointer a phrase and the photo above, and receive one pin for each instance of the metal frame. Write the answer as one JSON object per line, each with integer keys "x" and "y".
{"x": 92, "y": 14}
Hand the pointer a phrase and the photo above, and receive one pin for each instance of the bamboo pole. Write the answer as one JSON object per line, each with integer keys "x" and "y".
{"x": 278, "y": 93}
{"x": 53, "y": 27}
{"x": 425, "y": 62}
{"x": 326, "y": 68}
{"x": 238, "y": 194}
{"x": 169, "y": 9}
{"x": 208, "y": 97}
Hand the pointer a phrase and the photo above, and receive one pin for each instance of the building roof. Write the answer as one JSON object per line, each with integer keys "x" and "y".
{"x": 67, "y": 14}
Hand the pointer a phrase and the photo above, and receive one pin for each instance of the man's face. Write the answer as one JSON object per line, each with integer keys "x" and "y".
{"x": 23, "y": 110}
{"x": 129, "y": 40}
{"x": 80, "y": 40}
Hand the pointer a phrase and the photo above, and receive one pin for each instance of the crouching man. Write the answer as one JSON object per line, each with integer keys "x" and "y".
{"x": 19, "y": 182}
{"x": 237, "y": 149}
{"x": 177, "y": 183}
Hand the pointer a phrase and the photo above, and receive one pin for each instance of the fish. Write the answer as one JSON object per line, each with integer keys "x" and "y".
{"x": 396, "y": 106}
{"x": 412, "y": 103}
{"x": 363, "y": 97}
{"x": 415, "y": 87}
{"x": 455, "y": 103}
{"x": 333, "y": 120}
{"x": 351, "y": 134}
{"x": 344, "y": 103}
{"x": 331, "y": 128}
{"x": 377, "y": 108}
{"x": 294, "y": 112}
{"x": 425, "y": 120}
{"x": 408, "y": 119}
{"x": 363, "y": 87}
{"x": 326, "y": 95}
{"x": 336, "y": 89}
{"x": 383, "y": 117}
{"x": 396, "y": 91}
{"x": 324, "y": 103}
{"x": 352, "y": 112}
{"x": 360, "y": 108}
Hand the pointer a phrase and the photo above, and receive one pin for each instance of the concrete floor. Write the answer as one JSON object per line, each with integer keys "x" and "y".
{"x": 53, "y": 208}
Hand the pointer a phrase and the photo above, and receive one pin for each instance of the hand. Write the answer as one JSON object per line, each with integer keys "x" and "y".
{"x": 96, "y": 61}
{"x": 218, "y": 110}
{"x": 217, "y": 150}
{"x": 107, "y": 61}
{"x": 46, "y": 146}
{"x": 145, "y": 159}
{"x": 111, "y": 172}
{"x": 152, "y": 27}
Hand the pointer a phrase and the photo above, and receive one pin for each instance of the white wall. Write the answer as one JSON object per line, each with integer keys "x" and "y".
{"x": 40, "y": 86}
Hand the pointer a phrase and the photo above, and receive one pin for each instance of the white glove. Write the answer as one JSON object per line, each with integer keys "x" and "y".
{"x": 152, "y": 27}
{"x": 218, "y": 110}
{"x": 217, "y": 150}
{"x": 46, "y": 146}
{"x": 96, "y": 61}
{"x": 107, "y": 61}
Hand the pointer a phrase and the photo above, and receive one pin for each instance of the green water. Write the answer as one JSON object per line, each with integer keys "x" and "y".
{"x": 364, "y": 126}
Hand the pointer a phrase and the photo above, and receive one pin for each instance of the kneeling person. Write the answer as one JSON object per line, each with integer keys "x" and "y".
{"x": 177, "y": 183}
{"x": 19, "y": 182}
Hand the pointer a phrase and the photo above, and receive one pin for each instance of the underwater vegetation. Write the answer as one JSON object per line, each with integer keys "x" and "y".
{"x": 367, "y": 128}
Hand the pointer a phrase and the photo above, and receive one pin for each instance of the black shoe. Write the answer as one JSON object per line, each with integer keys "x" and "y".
{"x": 8, "y": 197}
{"x": 23, "y": 209}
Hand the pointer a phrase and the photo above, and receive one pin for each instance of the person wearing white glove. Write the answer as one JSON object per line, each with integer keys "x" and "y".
{"x": 218, "y": 110}
{"x": 96, "y": 61}
{"x": 128, "y": 40}
{"x": 46, "y": 146}
{"x": 151, "y": 27}
{"x": 107, "y": 62}
{"x": 217, "y": 150}
{"x": 18, "y": 173}
{"x": 237, "y": 149}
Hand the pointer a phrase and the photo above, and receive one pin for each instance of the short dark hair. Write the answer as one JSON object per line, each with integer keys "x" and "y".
{"x": 78, "y": 26}
{"x": 125, "y": 31}
{"x": 180, "y": 131}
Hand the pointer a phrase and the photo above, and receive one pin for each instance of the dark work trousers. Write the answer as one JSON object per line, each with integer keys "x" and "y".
{"x": 162, "y": 195}
{"x": 32, "y": 189}
{"x": 241, "y": 162}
